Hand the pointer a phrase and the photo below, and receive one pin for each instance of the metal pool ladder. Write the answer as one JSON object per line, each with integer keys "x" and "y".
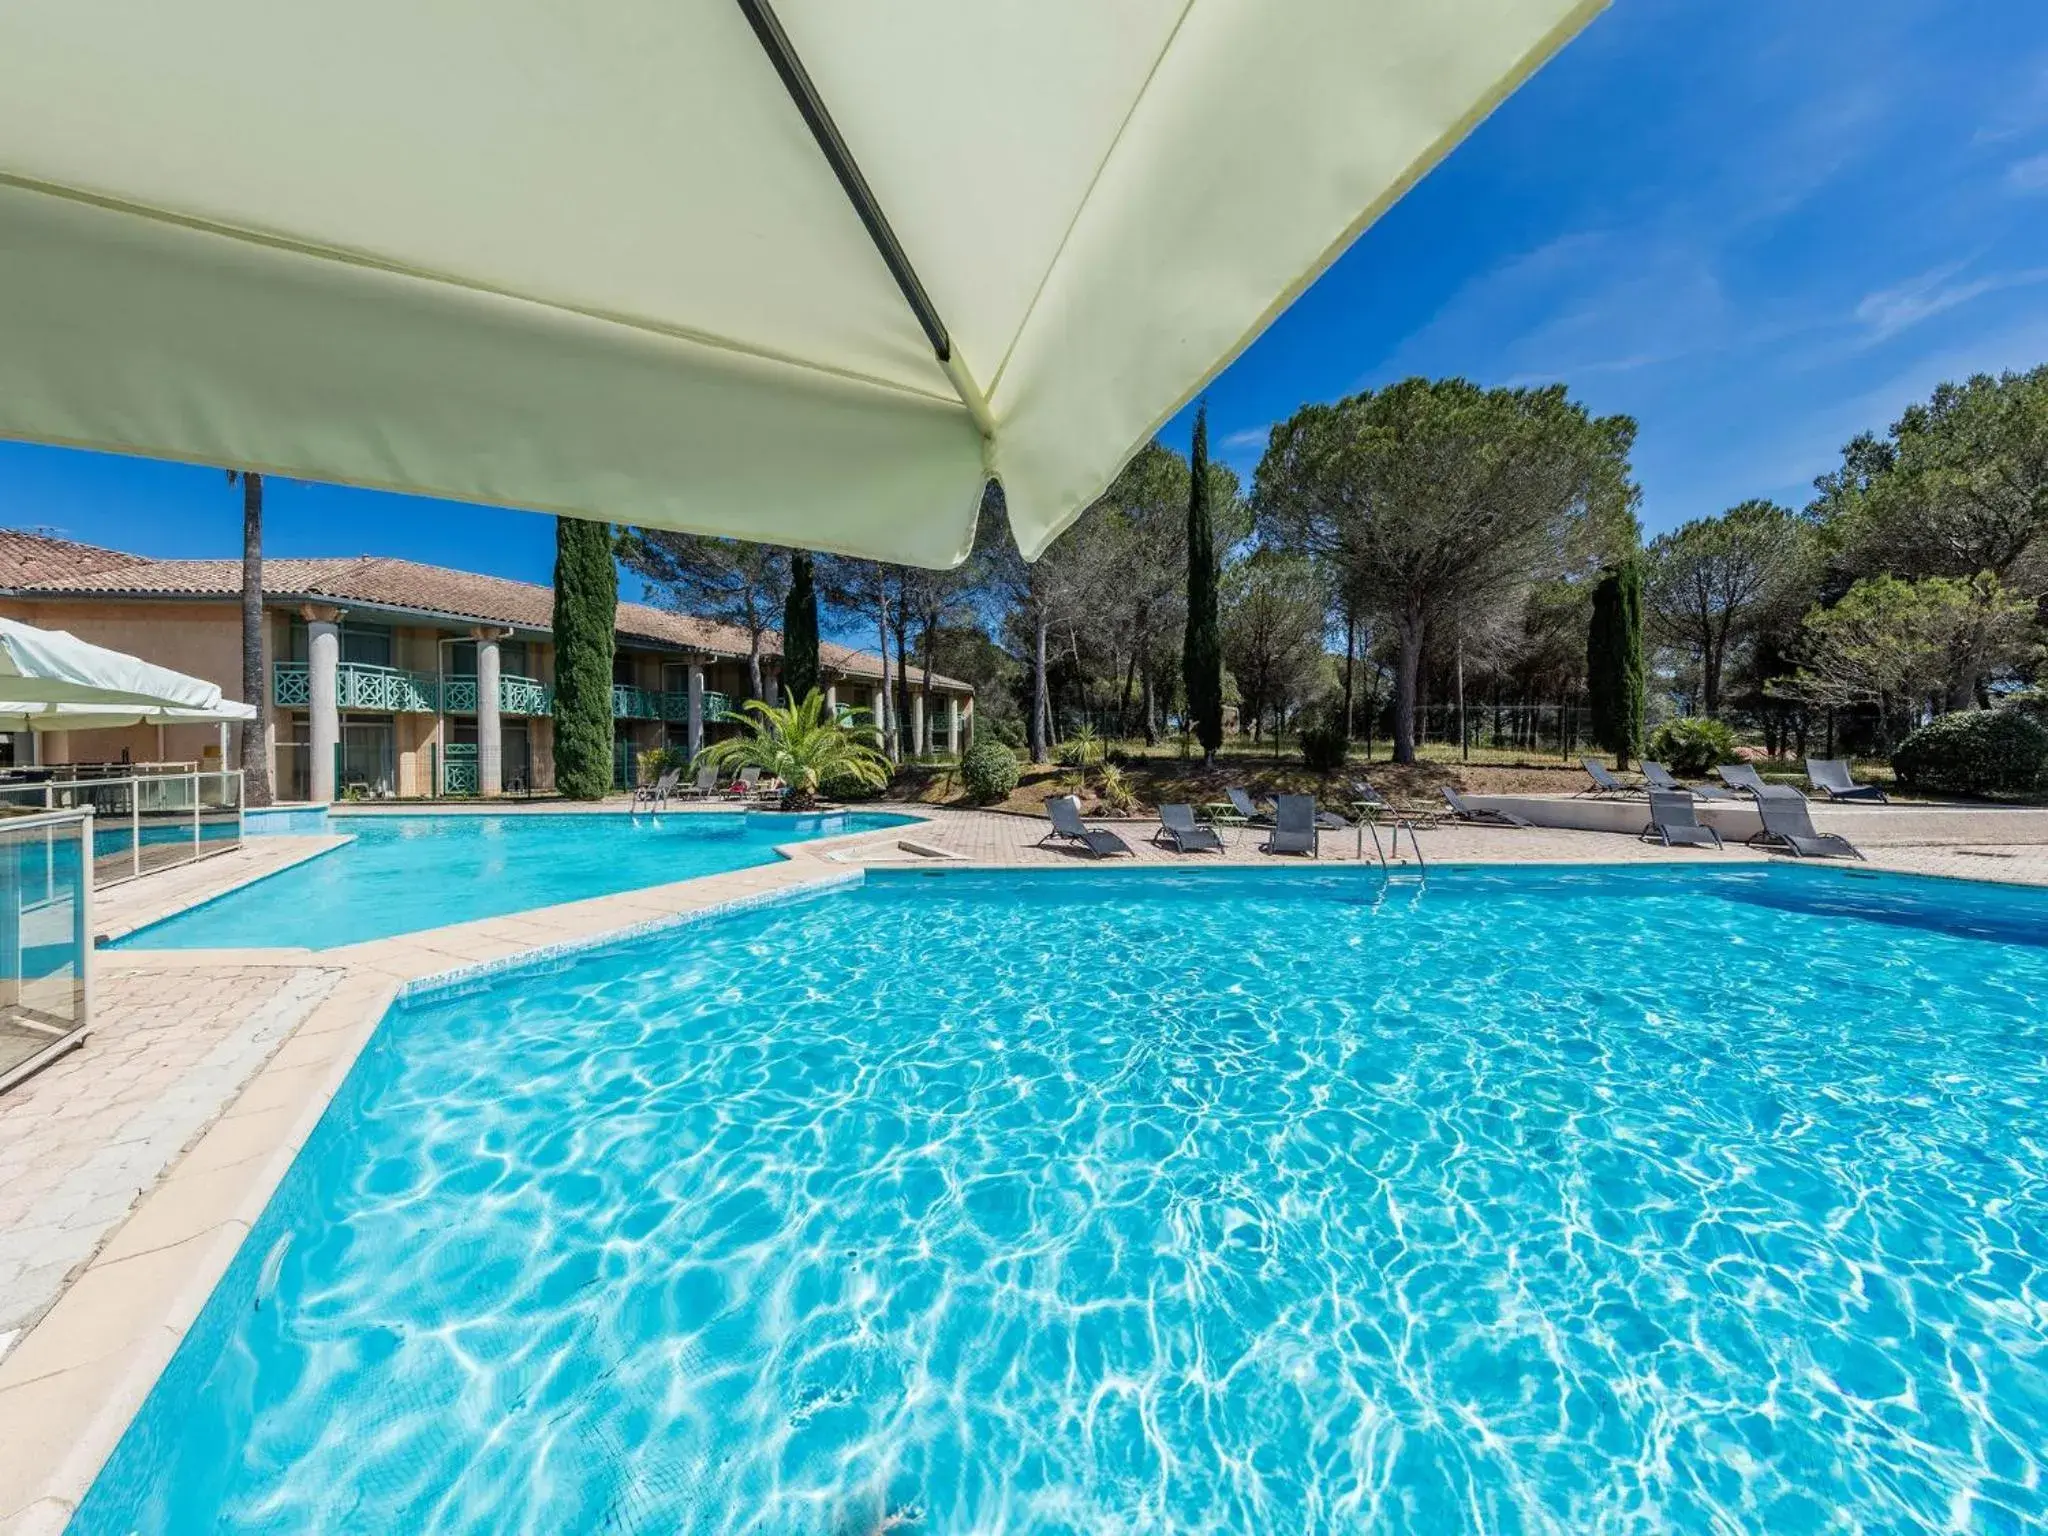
{"x": 1368, "y": 824}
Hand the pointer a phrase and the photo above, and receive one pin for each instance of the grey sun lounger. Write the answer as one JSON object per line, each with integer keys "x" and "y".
{"x": 1657, "y": 776}
{"x": 1789, "y": 825}
{"x": 1604, "y": 782}
{"x": 705, "y": 786}
{"x": 1067, "y": 827}
{"x": 1296, "y": 827}
{"x": 1247, "y": 807}
{"x": 1674, "y": 823}
{"x": 1831, "y": 775}
{"x": 1743, "y": 777}
{"x": 1178, "y": 826}
{"x": 1481, "y": 815}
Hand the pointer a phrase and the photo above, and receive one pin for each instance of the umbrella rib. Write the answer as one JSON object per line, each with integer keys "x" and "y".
{"x": 803, "y": 93}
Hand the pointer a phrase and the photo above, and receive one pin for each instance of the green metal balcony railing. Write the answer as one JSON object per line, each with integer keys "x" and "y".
{"x": 358, "y": 685}
{"x": 393, "y": 690}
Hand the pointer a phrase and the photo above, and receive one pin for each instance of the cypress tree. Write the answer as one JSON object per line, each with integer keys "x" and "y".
{"x": 586, "y": 611}
{"x": 799, "y": 631}
{"x": 1614, "y": 662}
{"x": 1202, "y": 647}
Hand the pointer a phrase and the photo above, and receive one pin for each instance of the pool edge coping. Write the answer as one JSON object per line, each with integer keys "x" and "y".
{"x": 73, "y": 1381}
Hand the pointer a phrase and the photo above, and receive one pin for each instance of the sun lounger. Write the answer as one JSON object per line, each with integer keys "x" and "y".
{"x": 1481, "y": 815}
{"x": 1067, "y": 827}
{"x": 1657, "y": 776}
{"x": 705, "y": 785}
{"x": 1296, "y": 827}
{"x": 1831, "y": 774}
{"x": 1247, "y": 807}
{"x": 1789, "y": 825}
{"x": 1604, "y": 783}
{"x": 654, "y": 797}
{"x": 1178, "y": 826}
{"x": 1674, "y": 823}
{"x": 1743, "y": 777}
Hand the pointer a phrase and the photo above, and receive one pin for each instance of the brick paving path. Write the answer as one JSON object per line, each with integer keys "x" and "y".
{"x": 84, "y": 1138}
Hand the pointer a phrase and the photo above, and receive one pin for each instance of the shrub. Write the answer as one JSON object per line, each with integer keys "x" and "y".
{"x": 1323, "y": 746}
{"x": 1975, "y": 752}
{"x": 836, "y": 784}
{"x": 1114, "y": 788}
{"x": 988, "y": 772}
{"x": 1694, "y": 745}
{"x": 1080, "y": 750}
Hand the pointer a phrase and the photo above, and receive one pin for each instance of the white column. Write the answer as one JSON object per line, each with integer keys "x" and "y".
{"x": 832, "y": 700}
{"x": 490, "y": 731}
{"x": 881, "y": 720}
{"x": 771, "y": 685}
{"x": 696, "y": 710}
{"x": 323, "y": 684}
{"x": 953, "y": 724}
{"x": 917, "y": 741}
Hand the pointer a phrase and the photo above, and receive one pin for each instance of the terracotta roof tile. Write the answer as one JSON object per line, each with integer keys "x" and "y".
{"x": 32, "y": 563}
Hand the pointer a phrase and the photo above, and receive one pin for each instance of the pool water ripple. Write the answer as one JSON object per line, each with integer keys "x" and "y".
{"x": 1528, "y": 1203}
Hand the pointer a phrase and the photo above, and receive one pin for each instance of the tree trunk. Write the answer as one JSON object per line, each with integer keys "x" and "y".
{"x": 255, "y": 733}
{"x": 1464, "y": 736}
{"x": 903, "y": 677}
{"x": 1038, "y": 699}
{"x": 756, "y": 689}
{"x": 886, "y": 725}
{"x": 1350, "y": 664}
{"x": 1405, "y": 669}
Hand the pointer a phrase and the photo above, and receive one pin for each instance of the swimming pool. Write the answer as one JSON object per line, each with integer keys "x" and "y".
{"x": 406, "y": 872}
{"x": 1532, "y": 1200}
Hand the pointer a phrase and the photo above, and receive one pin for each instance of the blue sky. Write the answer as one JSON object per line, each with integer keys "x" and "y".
{"x": 1757, "y": 227}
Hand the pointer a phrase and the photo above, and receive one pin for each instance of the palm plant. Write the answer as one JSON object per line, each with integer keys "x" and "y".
{"x": 801, "y": 745}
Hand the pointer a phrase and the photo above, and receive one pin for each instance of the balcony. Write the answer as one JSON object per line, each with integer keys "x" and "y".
{"x": 629, "y": 703}
{"x": 392, "y": 690}
{"x": 358, "y": 685}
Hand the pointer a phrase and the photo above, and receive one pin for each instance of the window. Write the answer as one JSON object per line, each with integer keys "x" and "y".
{"x": 368, "y": 644}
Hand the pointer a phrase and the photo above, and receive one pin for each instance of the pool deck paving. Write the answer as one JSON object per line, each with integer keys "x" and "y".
{"x": 131, "y": 1169}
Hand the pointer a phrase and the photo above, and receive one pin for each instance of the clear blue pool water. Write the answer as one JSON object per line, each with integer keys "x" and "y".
{"x": 403, "y": 873}
{"x": 1225, "y": 1202}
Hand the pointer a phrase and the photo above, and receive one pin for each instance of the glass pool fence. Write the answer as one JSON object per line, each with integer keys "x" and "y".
{"x": 145, "y": 821}
{"x": 45, "y": 938}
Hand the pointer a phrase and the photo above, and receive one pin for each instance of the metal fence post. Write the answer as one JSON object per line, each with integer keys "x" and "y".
{"x": 135, "y": 826}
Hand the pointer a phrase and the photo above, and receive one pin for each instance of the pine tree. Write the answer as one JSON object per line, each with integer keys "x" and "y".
{"x": 1202, "y": 648}
{"x": 800, "y": 632}
{"x": 1614, "y": 662}
{"x": 586, "y": 611}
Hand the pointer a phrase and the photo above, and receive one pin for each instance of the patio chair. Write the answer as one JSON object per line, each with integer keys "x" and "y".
{"x": 1481, "y": 815}
{"x": 1296, "y": 827}
{"x": 655, "y": 796}
{"x": 1789, "y": 825}
{"x": 1657, "y": 776}
{"x": 703, "y": 787}
{"x": 1246, "y": 807}
{"x": 1067, "y": 827}
{"x": 1831, "y": 774}
{"x": 1604, "y": 782}
{"x": 1743, "y": 777}
{"x": 1674, "y": 823}
{"x": 1178, "y": 826}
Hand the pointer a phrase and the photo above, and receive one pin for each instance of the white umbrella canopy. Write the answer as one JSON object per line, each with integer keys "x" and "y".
{"x": 49, "y": 666}
{"x": 806, "y": 274}
{"x": 20, "y": 715}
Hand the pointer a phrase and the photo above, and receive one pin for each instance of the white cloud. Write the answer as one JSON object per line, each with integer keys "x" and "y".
{"x": 1892, "y": 310}
{"x": 1251, "y": 440}
{"x": 2028, "y": 175}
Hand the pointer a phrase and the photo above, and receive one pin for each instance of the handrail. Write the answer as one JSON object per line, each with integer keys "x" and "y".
{"x": 176, "y": 801}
